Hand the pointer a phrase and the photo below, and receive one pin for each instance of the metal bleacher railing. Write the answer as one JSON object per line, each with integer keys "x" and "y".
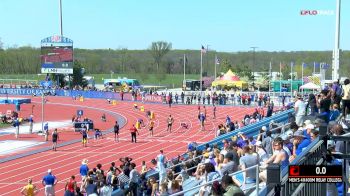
{"x": 315, "y": 154}
{"x": 194, "y": 189}
{"x": 249, "y": 130}
{"x": 219, "y": 179}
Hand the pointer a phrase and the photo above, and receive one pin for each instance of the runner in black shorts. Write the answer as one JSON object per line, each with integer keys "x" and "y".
{"x": 85, "y": 138}
{"x": 170, "y": 123}
{"x": 54, "y": 139}
{"x": 116, "y": 131}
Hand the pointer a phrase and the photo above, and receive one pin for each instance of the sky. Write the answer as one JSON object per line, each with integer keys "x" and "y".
{"x": 222, "y": 25}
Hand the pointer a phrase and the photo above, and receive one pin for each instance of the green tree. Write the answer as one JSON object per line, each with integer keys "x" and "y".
{"x": 78, "y": 75}
{"x": 58, "y": 78}
{"x": 225, "y": 65}
{"x": 158, "y": 50}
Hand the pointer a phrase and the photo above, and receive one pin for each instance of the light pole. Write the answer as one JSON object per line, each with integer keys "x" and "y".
{"x": 206, "y": 58}
{"x": 254, "y": 48}
{"x": 335, "y": 72}
{"x": 61, "y": 25}
{"x": 42, "y": 111}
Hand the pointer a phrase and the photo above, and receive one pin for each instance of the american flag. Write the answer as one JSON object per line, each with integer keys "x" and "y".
{"x": 203, "y": 50}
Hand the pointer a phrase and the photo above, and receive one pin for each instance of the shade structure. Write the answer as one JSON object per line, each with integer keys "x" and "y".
{"x": 310, "y": 86}
{"x": 229, "y": 79}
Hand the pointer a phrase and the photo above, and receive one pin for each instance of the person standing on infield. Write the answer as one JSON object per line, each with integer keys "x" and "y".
{"x": 133, "y": 132}
{"x": 170, "y": 123}
{"x": 116, "y": 131}
{"x": 85, "y": 136}
{"x": 55, "y": 137}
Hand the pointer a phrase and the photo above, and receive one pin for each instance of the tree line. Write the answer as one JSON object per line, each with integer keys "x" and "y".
{"x": 160, "y": 58}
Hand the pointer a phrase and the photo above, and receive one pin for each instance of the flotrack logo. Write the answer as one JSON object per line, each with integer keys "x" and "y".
{"x": 316, "y": 12}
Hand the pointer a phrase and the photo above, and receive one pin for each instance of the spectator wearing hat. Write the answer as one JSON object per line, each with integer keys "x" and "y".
{"x": 262, "y": 134}
{"x": 261, "y": 151}
{"x": 49, "y": 181}
{"x": 299, "y": 108}
{"x": 307, "y": 130}
{"x": 300, "y": 142}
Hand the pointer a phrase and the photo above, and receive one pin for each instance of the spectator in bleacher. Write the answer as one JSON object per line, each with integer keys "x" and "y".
{"x": 161, "y": 160}
{"x": 229, "y": 166}
{"x": 269, "y": 109}
{"x": 314, "y": 134}
{"x": 91, "y": 188}
{"x": 216, "y": 189}
{"x": 163, "y": 189}
{"x": 262, "y": 134}
{"x": 267, "y": 143}
{"x": 209, "y": 175}
{"x": 337, "y": 130}
{"x": 279, "y": 157}
{"x": 287, "y": 144}
{"x": 300, "y": 142}
{"x": 134, "y": 180}
{"x": 324, "y": 104}
{"x": 311, "y": 103}
{"x": 106, "y": 190}
{"x": 299, "y": 108}
{"x": 221, "y": 130}
{"x": 294, "y": 127}
{"x": 225, "y": 147}
{"x": 261, "y": 151}
{"x": 346, "y": 98}
{"x": 335, "y": 113}
{"x": 249, "y": 159}
{"x": 230, "y": 188}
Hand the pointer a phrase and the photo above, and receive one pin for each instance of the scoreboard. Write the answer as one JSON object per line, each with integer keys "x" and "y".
{"x": 56, "y": 55}
{"x": 315, "y": 174}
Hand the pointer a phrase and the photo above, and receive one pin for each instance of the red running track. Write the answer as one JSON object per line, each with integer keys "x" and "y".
{"x": 67, "y": 160}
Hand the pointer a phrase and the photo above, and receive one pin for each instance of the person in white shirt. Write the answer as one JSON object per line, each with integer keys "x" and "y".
{"x": 299, "y": 108}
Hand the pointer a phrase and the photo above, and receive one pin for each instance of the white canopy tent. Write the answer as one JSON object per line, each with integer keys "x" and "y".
{"x": 310, "y": 86}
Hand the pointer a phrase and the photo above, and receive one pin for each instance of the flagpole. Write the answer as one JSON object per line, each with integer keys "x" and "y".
{"x": 201, "y": 78}
{"x": 270, "y": 77}
{"x": 280, "y": 77}
{"x": 215, "y": 61}
{"x": 314, "y": 68}
{"x": 302, "y": 73}
{"x": 291, "y": 79}
{"x": 184, "y": 68}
